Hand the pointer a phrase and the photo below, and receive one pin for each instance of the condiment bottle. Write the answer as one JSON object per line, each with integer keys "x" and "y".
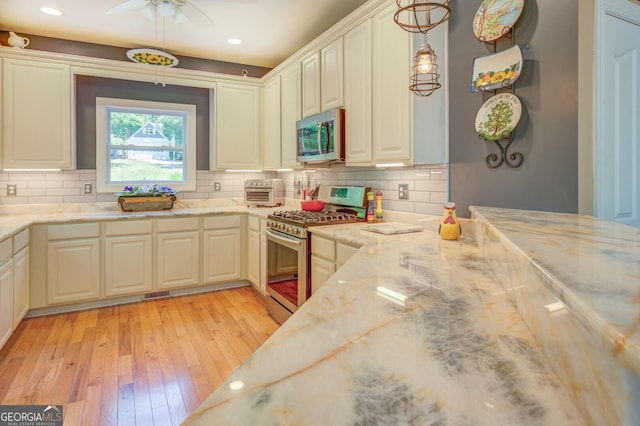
{"x": 379, "y": 214}
{"x": 371, "y": 208}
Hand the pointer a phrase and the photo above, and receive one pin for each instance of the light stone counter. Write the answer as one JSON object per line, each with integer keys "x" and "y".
{"x": 450, "y": 349}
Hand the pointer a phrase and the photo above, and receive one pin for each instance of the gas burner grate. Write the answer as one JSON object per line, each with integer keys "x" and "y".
{"x": 306, "y": 218}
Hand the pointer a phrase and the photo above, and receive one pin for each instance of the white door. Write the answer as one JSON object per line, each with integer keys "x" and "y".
{"x": 617, "y": 193}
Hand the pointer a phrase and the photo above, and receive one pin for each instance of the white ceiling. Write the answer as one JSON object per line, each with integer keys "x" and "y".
{"x": 271, "y": 30}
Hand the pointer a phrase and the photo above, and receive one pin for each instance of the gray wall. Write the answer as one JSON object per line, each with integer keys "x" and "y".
{"x": 547, "y": 134}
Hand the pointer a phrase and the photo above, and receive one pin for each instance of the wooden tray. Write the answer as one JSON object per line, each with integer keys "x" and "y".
{"x": 145, "y": 204}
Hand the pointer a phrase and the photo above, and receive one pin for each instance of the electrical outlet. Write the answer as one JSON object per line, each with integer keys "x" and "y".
{"x": 12, "y": 190}
{"x": 216, "y": 186}
{"x": 88, "y": 188}
{"x": 403, "y": 191}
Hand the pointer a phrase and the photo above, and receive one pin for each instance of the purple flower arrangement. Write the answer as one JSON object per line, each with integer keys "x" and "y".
{"x": 153, "y": 190}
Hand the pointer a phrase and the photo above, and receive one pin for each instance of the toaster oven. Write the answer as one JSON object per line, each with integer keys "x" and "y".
{"x": 263, "y": 192}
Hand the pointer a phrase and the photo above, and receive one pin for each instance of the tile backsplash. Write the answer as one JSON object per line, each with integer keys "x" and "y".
{"x": 428, "y": 186}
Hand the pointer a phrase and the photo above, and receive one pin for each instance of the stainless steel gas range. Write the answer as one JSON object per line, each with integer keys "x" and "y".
{"x": 288, "y": 251}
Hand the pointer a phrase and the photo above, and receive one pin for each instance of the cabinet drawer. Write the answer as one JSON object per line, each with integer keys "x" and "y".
{"x": 20, "y": 240}
{"x": 344, "y": 252}
{"x": 222, "y": 222}
{"x": 129, "y": 227}
{"x": 5, "y": 250}
{"x": 323, "y": 247}
{"x": 71, "y": 231}
{"x": 178, "y": 224}
{"x": 254, "y": 223}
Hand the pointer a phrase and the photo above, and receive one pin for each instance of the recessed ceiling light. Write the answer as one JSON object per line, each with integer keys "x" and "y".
{"x": 234, "y": 41}
{"x": 50, "y": 11}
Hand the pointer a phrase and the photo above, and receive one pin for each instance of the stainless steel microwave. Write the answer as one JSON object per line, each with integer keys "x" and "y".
{"x": 321, "y": 137}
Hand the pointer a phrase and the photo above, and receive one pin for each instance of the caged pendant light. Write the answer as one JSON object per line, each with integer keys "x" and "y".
{"x": 420, "y": 17}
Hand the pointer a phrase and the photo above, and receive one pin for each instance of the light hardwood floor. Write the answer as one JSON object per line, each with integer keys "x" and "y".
{"x": 146, "y": 363}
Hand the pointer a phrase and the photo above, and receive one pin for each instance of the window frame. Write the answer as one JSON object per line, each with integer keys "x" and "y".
{"x": 103, "y": 146}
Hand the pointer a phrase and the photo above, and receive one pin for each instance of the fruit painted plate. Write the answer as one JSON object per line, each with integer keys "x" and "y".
{"x": 498, "y": 116}
{"x": 495, "y": 18}
{"x": 152, "y": 57}
{"x": 497, "y": 70}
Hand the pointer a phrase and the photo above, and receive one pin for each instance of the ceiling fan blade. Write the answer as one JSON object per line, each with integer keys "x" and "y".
{"x": 196, "y": 16}
{"x": 127, "y": 6}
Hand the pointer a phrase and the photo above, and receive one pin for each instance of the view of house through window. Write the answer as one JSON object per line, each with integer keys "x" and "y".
{"x": 143, "y": 143}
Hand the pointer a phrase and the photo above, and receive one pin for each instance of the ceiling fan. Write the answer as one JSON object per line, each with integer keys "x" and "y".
{"x": 179, "y": 10}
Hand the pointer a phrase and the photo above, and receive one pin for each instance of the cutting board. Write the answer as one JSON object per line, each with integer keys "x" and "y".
{"x": 388, "y": 228}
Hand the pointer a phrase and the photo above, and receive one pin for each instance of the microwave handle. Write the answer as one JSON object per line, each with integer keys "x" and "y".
{"x": 324, "y": 124}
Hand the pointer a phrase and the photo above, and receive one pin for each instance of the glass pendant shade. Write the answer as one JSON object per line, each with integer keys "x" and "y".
{"x": 421, "y": 16}
{"x": 424, "y": 72}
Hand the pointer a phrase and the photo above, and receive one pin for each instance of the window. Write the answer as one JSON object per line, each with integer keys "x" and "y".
{"x": 142, "y": 142}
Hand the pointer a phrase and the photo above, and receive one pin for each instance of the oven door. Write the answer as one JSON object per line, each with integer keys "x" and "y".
{"x": 286, "y": 274}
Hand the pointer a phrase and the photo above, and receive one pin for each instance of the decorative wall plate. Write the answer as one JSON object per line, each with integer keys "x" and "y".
{"x": 498, "y": 116}
{"x": 495, "y": 18}
{"x": 497, "y": 70}
{"x": 152, "y": 57}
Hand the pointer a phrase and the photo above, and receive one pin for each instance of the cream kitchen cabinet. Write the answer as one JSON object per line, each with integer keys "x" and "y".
{"x": 36, "y": 114}
{"x": 271, "y": 122}
{"x": 237, "y": 124}
{"x": 254, "y": 252}
{"x": 128, "y": 257}
{"x": 311, "y": 103}
{"x": 178, "y": 252}
{"x": 20, "y": 276}
{"x": 357, "y": 94}
{"x": 73, "y": 263}
{"x": 391, "y": 97}
{"x": 6, "y": 291}
{"x": 327, "y": 256}
{"x": 291, "y": 112}
{"x": 222, "y": 248}
{"x": 332, "y": 76}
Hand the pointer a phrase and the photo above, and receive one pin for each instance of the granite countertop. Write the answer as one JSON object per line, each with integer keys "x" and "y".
{"x": 411, "y": 330}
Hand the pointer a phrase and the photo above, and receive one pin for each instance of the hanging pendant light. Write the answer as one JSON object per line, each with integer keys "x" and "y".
{"x": 421, "y": 16}
{"x": 424, "y": 72}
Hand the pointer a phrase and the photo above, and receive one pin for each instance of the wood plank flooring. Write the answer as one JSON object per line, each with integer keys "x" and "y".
{"x": 146, "y": 363}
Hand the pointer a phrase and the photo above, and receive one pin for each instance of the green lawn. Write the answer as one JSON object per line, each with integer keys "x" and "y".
{"x": 154, "y": 171}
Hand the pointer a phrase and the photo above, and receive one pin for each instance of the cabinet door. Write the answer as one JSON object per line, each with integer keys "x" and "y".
{"x": 321, "y": 270}
{"x": 271, "y": 146}
{"x": 291, "y": 113}
{"x": 73, "y": 270}
{"x": 222, "y": 257}
{"x": 128, "y": 265}
{"x": 237, "y": 125}
{"x": 178, "y": 259}
{"x": 6, "y": 301}
{"x": 357, "y": 94}
{"x": 391, "y": 98}
{"x": 331, "y": 76}
{"x": 36, "y": 115}
{"x": 311, "y": 85}
{"x": 253, "y": 258}
{"x": 20, "y": 285}
{"x": 343, "y": 253}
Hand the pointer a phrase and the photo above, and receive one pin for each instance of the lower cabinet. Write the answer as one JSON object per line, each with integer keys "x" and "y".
{"x": 327, "y": 256}
{"x": 256, "y": 253}
{"x": 20, "y": 285}
{"x": 128, "y": 257}
{"x": 178, "y": 255}
{"x": 73, "y": 263}
{"x": 6, "y": 300}
{"x": 222, "y": 249}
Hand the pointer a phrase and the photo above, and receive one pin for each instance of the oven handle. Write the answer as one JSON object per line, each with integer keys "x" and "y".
{"x": 291, "y": 242}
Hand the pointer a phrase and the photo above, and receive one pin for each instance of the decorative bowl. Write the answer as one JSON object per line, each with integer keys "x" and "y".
{"x": 312, "y": 205}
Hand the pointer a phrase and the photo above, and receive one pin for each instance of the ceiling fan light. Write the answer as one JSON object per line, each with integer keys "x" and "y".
{"x": 149, "y": 12}
{"x": 179, "y": 17}
{"x": 166, "y": 8}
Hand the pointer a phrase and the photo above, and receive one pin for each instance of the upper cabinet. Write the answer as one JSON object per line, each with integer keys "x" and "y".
{"x": 391, "y": 97}
{"x": 311, "y": 84}
{"x": 271, "y": 111}
{"x": 357, "y": 94}
{"x": 291, "y": 112}
{"x": 237, "y": 124}
{"x": 331, "y": 76}
{"x": 36, "y": 115}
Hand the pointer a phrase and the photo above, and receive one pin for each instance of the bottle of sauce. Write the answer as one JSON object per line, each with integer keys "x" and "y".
{"x": 371, "y": 208}
{"x": 379, "y": 214}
